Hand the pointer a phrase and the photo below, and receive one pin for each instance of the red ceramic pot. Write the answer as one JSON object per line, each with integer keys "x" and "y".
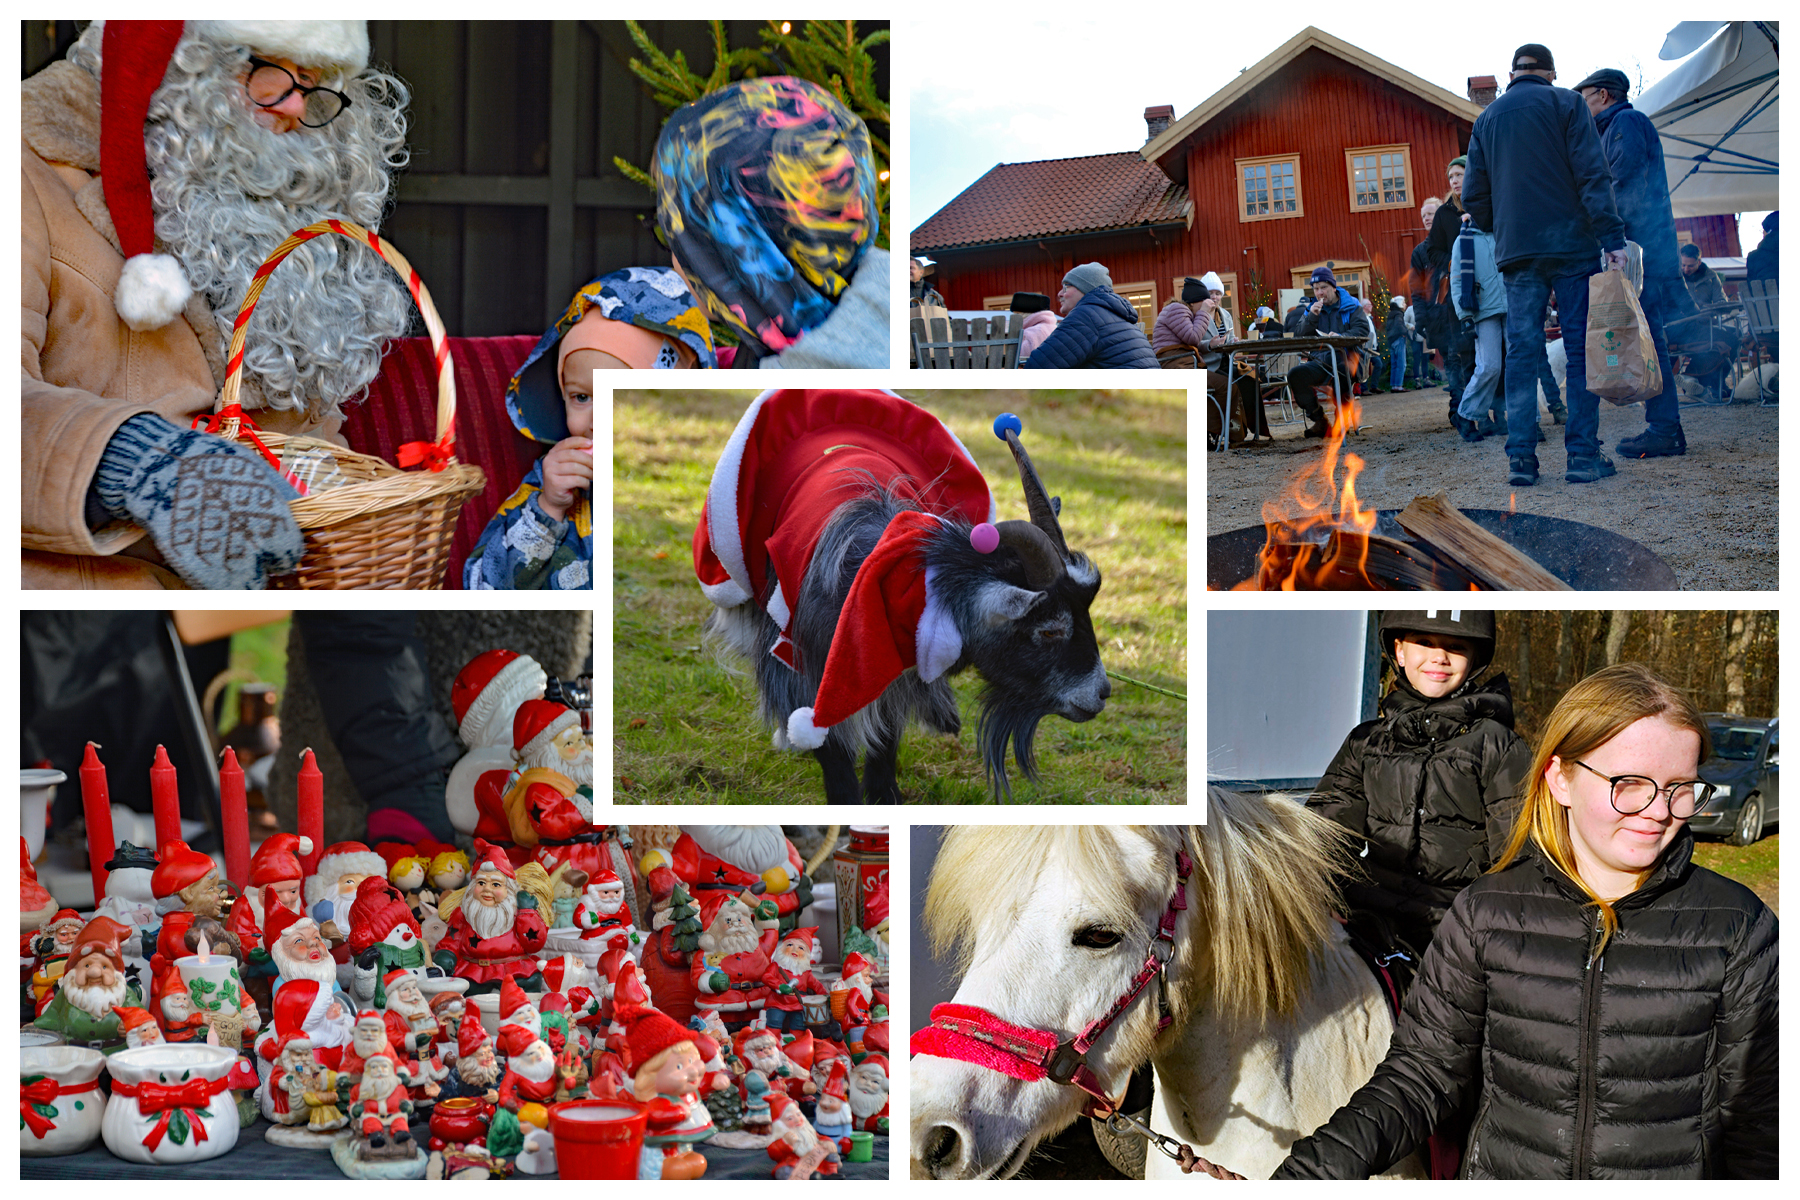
{"x": 459, "y": 1121}
{"x": 597, "y": 1139}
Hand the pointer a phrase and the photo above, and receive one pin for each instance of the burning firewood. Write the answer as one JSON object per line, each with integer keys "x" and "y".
{"x": 1490, "y": 560}
{"x": 1349, "y": 560}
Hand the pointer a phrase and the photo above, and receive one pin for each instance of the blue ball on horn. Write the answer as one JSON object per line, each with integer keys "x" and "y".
{"x": 1007, "y": 423}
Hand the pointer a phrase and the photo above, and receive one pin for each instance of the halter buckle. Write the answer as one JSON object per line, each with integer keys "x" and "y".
{"x": 1065, "y": 1062}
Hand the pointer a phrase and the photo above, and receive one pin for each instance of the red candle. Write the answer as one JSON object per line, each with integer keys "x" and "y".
{"x": 165, "y": 800}
{"x": 234, "y": 816}
{"x": 312, "y": 809}
{"x": 97, "y": 805}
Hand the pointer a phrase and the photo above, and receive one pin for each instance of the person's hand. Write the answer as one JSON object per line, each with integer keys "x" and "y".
{"x": 1191, "y": 1163}
{"x": 1615, "y": 260}
{"x": 568, "y": 468}
{"x": 1318, "y": 306}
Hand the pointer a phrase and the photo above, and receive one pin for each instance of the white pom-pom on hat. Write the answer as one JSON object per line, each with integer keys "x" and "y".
{"x": 152, "y": 291}
{"x": 306, "y": 845}
{"x": 802, "y": 732}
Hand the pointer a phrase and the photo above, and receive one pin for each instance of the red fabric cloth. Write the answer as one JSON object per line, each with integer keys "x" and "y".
{"x": 402, "y": 407}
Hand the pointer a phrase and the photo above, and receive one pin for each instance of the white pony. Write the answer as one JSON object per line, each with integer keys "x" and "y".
{"x": 1276, "y": 1020}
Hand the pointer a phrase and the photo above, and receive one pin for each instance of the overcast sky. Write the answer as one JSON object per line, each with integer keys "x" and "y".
{"x": 988, "y": 88}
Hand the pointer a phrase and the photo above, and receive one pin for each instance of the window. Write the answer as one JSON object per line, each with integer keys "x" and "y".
{"x": 997, "y": 303}
{"x": 1379, "y": 177}
{"x": 1269, "y": 188}
{"x": 1141, "y": 296}
{"x": 1350, "y": 275}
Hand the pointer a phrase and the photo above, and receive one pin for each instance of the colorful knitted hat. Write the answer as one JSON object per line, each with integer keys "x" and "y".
{"x": 652, "y": 298}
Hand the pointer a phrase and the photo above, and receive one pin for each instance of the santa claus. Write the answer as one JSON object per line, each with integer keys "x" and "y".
{"x": 296, "y": 1004}
{"x": 731, "y": 970}
{"x": 381, "y": 1105}
{"x": 760, "y": 1050}
{"x": 331, "y": 889}
{"x": 91, "y": 988}
{"x": 786, "y": 1008}
{"x": 477, "y": 1066}
{"x": 603, "y": 918}
{"x": 520, "y": 1022}
{"x": 852, "y": 999}
{"x": 797, "y": 1150}
{"x": 175, "y": 1010}
{"x": 275, "y": 881}
{"x": 869, "y": 1094}
{"x": 530, "y": 1077}
{"x": 486, "y": 694}
{"x": 730, "y": 859}
{"x": 447, "y": 1010}
{"x": 303, "y": 960}
{"x": 496, "y": 928}
{"x": 368, "y": 1039}
{"x": 139, "y": 1027}
{"x": 51, "y": 946}
{"x": 187, "y": 879}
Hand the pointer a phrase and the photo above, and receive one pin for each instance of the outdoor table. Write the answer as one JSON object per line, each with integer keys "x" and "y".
{"x": 1259, "y": 347}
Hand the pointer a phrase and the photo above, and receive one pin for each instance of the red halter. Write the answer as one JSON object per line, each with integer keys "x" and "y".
{"x": 975, "y": 1035}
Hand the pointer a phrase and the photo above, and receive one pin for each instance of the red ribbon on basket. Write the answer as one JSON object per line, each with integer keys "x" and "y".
{"x": 437, "y": 455}
{"x": 216, "y": 424}
{"x": 43, "y": 1092}
{"x": 165, "y": 1099}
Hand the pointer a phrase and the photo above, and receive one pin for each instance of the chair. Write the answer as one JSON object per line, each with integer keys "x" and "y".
{"x": 1763, "y": 310}
{"x": 1275, "y": 384}
{"x": 961, "y": 344}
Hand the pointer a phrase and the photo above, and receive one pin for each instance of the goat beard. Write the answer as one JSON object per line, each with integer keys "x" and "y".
{"x": 1006, "y": 719}
{"x": 490, "y": 920}
{"x": 96, "y": 1000}
{"x": 227, "y": 191}
{"x": 752, "y": 848}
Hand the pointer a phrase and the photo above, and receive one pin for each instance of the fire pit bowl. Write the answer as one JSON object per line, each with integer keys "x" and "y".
{"x": 1585, "y": 557}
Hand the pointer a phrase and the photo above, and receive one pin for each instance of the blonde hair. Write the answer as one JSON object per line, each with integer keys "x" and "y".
{"x": 1589, "y": 715}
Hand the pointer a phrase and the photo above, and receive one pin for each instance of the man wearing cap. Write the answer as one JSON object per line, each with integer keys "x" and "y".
{"x": 1099, "y": 329}
{"x": 163, "y": 161}
{"x": 1641, "y": 190}
{"x": 1538, "y": 181}
{"x": 1334, "y": 312}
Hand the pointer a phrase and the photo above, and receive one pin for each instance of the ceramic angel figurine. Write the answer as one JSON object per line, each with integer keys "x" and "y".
{"x": 667, "y": 1074}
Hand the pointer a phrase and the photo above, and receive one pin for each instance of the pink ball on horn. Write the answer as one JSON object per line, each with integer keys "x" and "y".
{"x": 984, "y": 537}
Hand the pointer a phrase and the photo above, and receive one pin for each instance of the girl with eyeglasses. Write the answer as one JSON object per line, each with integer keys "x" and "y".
{"x": 1612, "y": 1004}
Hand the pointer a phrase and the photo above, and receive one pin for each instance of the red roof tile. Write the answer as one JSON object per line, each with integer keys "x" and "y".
{"x": 1058, "y": 196}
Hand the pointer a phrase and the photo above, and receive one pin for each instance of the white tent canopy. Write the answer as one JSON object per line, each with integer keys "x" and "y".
{"x": 1717, "y": 116}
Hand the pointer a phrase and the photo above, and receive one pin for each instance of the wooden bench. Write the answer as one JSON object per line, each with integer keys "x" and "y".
{"x": 962, "y": 344}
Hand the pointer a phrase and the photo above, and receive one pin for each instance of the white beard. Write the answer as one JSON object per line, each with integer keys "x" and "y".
{"x": 417, "y": 1014}
{"x": 490, "y": 921}
{"x": 801, "y": 1139}
{"x": 579, "y": 772}
{"x": 96, "y": 1001}
{"x": 832, "y": 1111}
{"x": 752, "y": 848}
{"x": 368, "y": 1044}
{"x": 535, "y": 1068}
{"x": 525, "y": 1018}
{"x": 605, "y": 907}
{"x": 377, "y": 1087}
{"x": 794, "y": 964}
{"x": 726, "y": 941}
{"x": 323, "y": 972}
{"x": 864, "y": 1100}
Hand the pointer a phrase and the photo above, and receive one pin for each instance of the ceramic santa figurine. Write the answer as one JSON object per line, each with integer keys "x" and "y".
{"x": 530, "y": 1078}
{"x": 275, "y": 878}
{"x": 798, "y": 1151}
{"x": 832, "y": 1118}
{"x": 486, "y": 694}
{"x": 541, "y": 808}
{"x": 730, "y": 859}
{"x": 447, "y": 1010}
{"x": 408, "y": 1014}
{"x": 666, "y": 1077}
{"x": 302, "y": 957}
{"x": 496, "y": 928}
{"x": 520, "y": 1022}
{"x": 379, "y": 1108}
{"x": 477, "y": 1069}
{"x": 760, "y": 1050}
{"x": 91, "y": 986}
{"x": 731, "y": 970}
{"x": 301, "y": 1100}
{"x": 383, "y": 937}
{"x": 51, "y": 947}
{"x": 603, "y": 919}
{"x": 786, "y": 1008}
{"x": 139, "y": 1027}
{"x": 851, "y": 999}
{"x": 187, "y": 879}
{"x": 36, "y": 904}
{"x": 368, "y": 1039}
{"x": 331, "y": 888}
{"x": 174, "y": 1009}
{"x": 869, "y": 1094}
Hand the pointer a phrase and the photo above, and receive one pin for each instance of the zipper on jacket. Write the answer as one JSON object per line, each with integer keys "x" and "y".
{"x": 1588, "y": 1066}
{"x": 1415, "y": 853}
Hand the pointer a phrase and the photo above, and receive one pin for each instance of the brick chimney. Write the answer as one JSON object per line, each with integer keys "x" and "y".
{"x": 1483, "y": 89}
{"x": 1157, "y": 117}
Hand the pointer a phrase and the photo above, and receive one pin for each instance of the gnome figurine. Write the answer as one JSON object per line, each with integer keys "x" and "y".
{"x": 668, "y": 1069}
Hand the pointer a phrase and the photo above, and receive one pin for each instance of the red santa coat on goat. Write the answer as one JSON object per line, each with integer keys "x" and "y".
{"x": 793, "y": 460}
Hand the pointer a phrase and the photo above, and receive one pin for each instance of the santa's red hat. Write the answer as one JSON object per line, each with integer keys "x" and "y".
{"x": 101, "y": 935}
{"x": 341, "y": 858}
{"x": 492, "y": 683}
{"x": 512, "y": 998}
{"x": 278, "y": 919}
{"x": 395, "y": 978}
{"x": 650, "y": 1031}
{"x": 801, "y": 1049}
{"x": 180, "y": 867}
{"x": 805, "y": 934}
{"x": 559, "y": 971}
{"x": 469, "y": 1037}
{"x": 152, "y": 289}
{"x": 748, "y": 1034}
{"x": 824, "y": 1050}
{"x": 514, "y": 1039}
{"x": 64, "y": 916}
{"x": 779, "y": 1103}
{"x": 855, "y": 963}
{"x": 607, "y": 878}
{"x": 277, "y": 860}
{"x": 293, "y": 1000}
{"x": 537, "y": 724}
{"x": 874, "y": 1060}
{"x": 493, "y": 859}
{"x": 132, "y": 1018}
{"x": 834, "y": 1083}
{"x": 393, "y": 852}
{"x": 554, "y": 1002}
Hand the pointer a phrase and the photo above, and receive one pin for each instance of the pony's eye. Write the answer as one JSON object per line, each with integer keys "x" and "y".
{"x": 1095, "y": 937}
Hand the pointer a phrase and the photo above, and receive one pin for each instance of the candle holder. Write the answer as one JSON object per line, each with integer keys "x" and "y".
{"x": 170, "y": 1104}
{"x": 60, "y": 1102}
{"x": 36, "y": 786}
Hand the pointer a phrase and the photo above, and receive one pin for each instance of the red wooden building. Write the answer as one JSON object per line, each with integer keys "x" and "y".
{"x": 1320, "y": 152}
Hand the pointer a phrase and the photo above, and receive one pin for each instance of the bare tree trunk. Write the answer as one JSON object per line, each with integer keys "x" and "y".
{"x": 1522, "y": 684}
{"x": 1737, "y": 647}
{"x": 1563, "y": 620}
{"x": 1615, "y": 635}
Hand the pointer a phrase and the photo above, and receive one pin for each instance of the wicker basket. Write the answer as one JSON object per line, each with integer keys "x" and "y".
{"x": 386, "y": 528}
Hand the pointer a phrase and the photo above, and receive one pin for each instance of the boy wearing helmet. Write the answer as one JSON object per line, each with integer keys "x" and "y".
{"x": 1429, "y": 785}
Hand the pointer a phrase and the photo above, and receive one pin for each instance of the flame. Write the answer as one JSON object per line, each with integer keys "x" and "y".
{"x": 205, "y": 951}
{"x": 1512, "y": 503}
{"x": 1318, "y": 500}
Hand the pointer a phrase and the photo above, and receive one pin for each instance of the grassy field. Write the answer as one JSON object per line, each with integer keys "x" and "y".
{"x": 1757, "y": 867}
{"x": 684, "y": 730}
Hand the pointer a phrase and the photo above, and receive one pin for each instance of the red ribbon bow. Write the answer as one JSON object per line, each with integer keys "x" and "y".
{"x": 43, "y": 1092}
{"x": 437, "y": 455}
{"x": 167, "y": 1099}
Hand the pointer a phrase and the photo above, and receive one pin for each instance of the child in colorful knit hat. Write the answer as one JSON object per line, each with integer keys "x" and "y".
{"x": 640, "y": 318}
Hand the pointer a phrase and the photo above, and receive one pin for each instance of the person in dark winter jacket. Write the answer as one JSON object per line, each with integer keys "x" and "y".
{"x": 1710, "y": 335}
{"x": 1397, "y": 338}
{"x": 1099, "y": 327}
{"x": 1446, "y": 332}
{"x": 1430, "y": 785}
{"x": 1764, "y": 261}
{"x": 1614, "y": 1004}
{"x": 1538, "y": 181}
{"x": 1333, "y": 311}
{"x": 1641, "y": 190}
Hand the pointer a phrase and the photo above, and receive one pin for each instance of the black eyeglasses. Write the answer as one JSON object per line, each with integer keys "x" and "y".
{"x": 270, "y": 84}
{"x": 1632, "y": 794}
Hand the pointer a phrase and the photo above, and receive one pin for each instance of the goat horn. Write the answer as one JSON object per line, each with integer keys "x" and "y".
{"x": 1037, "y": 500}
{"x": 1043, "y": 565}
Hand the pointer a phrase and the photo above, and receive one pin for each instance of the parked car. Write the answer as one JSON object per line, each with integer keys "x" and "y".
{"x": 1745, "y": 768}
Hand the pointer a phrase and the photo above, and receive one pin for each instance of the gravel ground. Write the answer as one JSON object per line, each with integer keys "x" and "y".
{"x": 1711, "y": 514}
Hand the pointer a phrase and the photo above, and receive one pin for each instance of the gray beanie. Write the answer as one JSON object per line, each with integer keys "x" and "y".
{"x": 1087, "y": 277}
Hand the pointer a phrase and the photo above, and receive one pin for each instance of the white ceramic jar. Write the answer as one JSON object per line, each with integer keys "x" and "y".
{"x": 59, "y": 1086}
{"x": 164, "y": 1097}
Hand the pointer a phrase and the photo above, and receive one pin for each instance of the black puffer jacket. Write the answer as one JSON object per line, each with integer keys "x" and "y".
{"x": 1658, "y": 1061}
{"x": 1430, "y": 785}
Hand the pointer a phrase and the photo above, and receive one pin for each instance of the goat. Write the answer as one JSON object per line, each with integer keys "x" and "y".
{"x": 849, "y": 548}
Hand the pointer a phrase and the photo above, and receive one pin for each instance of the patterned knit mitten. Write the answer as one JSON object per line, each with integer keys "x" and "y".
{"x": 215, "y": 509}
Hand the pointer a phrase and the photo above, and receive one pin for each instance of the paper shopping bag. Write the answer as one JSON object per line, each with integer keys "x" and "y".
{"x": 1621, "y": 356}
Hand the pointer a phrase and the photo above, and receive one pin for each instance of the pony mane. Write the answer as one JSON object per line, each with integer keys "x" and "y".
{"x": 1262, "y": 892}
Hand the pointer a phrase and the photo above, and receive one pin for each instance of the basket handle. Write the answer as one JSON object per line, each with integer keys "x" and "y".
{"x": 437, "y": 455}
